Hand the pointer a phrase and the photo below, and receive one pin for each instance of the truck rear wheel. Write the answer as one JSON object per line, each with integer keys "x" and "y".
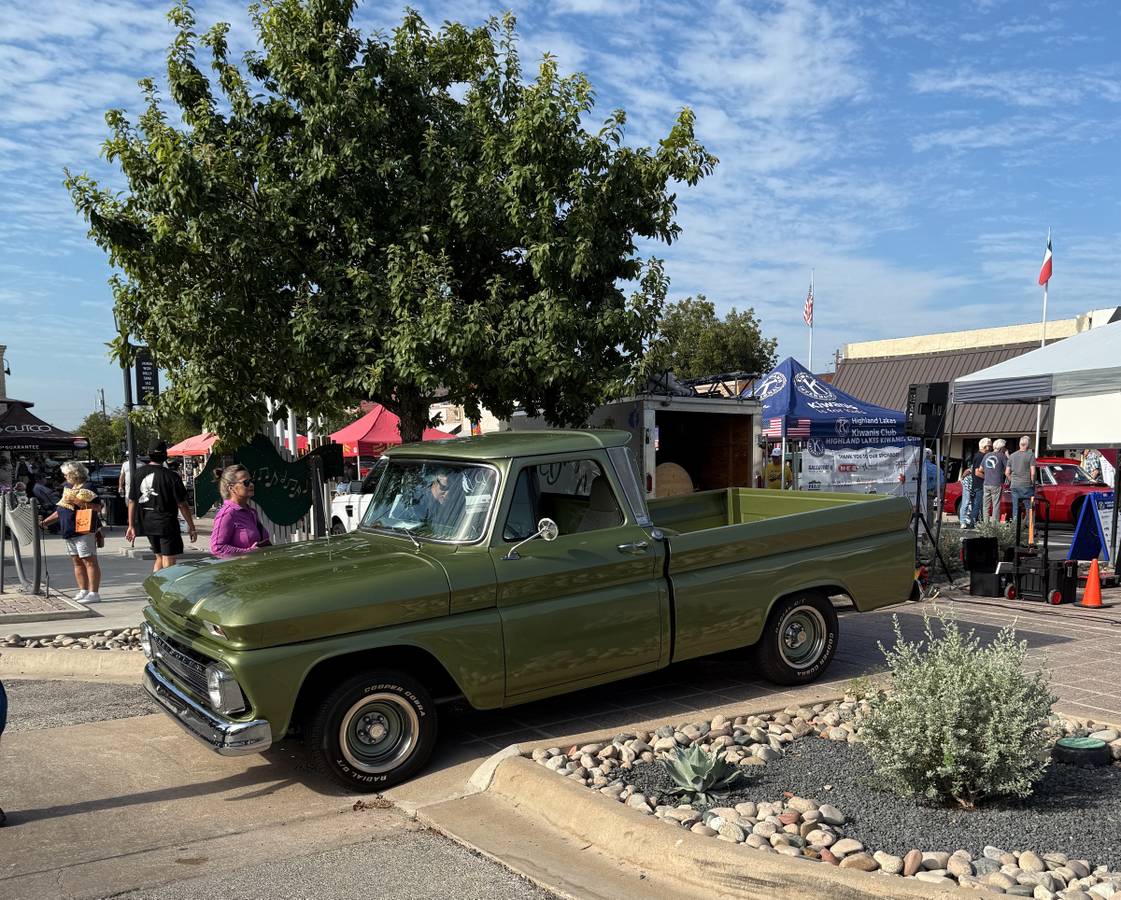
{"x": 374, "y": 730}
{"x": 799, "y": 639}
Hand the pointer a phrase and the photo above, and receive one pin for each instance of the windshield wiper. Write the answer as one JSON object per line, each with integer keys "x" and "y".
{"x": 399, "y": 529}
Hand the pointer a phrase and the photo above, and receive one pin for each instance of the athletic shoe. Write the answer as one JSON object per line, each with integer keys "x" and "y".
{"x": 81, "y": 595}
{"x": 91, "y": 597}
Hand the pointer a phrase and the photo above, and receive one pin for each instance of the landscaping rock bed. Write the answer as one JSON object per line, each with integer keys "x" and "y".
{"x": 814, "y": 795}
{"x": 124, "y": 639}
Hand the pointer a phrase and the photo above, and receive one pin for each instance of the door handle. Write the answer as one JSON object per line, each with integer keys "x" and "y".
{"x": 638, "y": 548}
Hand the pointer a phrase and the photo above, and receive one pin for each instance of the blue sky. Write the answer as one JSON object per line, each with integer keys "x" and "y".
{"x": 913, "y": 153}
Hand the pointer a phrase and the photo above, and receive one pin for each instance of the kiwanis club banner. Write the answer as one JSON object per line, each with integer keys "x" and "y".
{"x": 860, "y": 470}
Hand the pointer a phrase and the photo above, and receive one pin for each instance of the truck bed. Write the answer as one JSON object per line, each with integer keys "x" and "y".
{"x": 733, "y": 552}
{"x": 739, "y": 506}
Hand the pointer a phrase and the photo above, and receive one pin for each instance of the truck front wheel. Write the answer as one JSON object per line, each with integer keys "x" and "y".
{"x": 799, "y": 639}
{"x": 374, "y": 730}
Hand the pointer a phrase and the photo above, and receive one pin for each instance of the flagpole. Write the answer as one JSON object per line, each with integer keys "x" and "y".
{"x": 1042, "y": 343}
{"x": 810, "y": 361}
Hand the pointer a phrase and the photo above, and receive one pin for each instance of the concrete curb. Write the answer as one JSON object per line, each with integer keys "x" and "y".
{"x": 81, "y": 665}
{"x": 714, "y": 867}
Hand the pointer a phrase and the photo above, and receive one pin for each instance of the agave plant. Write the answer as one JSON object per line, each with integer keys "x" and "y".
{"x": 699, "y": 776}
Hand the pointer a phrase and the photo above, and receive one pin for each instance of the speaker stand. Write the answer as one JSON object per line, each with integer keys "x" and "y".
{"x": 917, "y": 517}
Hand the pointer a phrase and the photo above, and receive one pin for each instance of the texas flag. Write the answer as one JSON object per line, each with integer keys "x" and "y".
{"x": 1045, "y": 269}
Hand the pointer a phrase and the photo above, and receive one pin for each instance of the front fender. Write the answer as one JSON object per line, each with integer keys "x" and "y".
{"x": 468, "y": 646}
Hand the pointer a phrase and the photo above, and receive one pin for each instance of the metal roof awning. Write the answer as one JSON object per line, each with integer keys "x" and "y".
{"x": 885, "y": 380}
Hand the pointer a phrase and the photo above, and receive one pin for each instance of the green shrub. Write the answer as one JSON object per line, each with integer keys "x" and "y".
{"x": 949, "y": 543}
{"x": 961, "y": 722}
{"x": 1004, "y": 532}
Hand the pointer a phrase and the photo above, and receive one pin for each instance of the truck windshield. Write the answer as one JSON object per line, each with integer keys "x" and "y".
{"x": 443, "y": 501}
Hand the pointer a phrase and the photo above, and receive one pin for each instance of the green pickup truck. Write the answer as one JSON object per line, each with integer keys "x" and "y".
{"x": 502, "y": 569}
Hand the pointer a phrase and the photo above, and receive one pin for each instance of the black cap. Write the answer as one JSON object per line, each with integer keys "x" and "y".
{"x": 158, "y": 453}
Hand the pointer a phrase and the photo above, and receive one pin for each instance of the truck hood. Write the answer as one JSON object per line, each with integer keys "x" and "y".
{"x": 303, "y": 591}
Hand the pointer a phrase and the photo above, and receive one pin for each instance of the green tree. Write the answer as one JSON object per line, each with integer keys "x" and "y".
{"x": 692, "y": 341}
{"x": 104, "y": 436}
{"x": 106, "y": 432}
{"x": 353, "y": 217}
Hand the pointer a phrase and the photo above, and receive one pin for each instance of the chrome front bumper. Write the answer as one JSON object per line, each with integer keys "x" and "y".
{"x": 221, "y": 735}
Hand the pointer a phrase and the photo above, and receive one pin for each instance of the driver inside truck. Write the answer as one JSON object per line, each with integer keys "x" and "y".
{"x": 442, "y": 502}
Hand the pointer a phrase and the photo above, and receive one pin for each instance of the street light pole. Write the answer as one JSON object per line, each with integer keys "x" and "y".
{"x": 130, "y": 437}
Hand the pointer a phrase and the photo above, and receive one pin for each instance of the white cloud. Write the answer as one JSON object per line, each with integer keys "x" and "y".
{"x": 596, "y": 7}
{"x": 794, "y": 61}
{"x": 1032, "y": 137}
{"x": 1018, "y": 88}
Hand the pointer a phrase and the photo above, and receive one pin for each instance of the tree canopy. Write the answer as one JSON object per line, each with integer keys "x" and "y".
{"x": 106, "y": 432}
{"x": 693, "y": 341}
{"x": 347, "y": 217}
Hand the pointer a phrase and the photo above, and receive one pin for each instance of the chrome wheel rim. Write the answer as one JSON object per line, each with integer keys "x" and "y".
{"x": 378, "y": 733}
{"x": 801, "y": 637}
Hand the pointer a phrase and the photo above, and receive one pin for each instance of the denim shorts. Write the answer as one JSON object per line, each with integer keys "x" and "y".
{"x": 82, "y": 545}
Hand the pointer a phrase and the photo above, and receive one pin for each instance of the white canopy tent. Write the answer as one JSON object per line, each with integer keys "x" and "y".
{"x": 1087, "y": 363}
{"x": 1080, "y": 375}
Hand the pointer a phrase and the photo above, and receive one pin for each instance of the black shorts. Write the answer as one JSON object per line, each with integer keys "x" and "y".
{"x": 166, "y": 544}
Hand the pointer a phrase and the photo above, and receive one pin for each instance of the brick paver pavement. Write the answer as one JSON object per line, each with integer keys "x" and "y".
{"x": 17, "y": 604}
{"x": 1079, "y": 646}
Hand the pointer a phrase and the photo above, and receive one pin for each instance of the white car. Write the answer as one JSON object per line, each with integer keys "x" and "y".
{"x": 350, "y": 499}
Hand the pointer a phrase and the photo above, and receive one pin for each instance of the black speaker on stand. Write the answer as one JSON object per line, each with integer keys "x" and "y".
{"x": 927, "y": 405}
{"x": 926, "y": 409}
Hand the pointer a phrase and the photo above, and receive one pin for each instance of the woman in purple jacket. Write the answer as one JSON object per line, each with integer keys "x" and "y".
{"x": 237, "y": 530}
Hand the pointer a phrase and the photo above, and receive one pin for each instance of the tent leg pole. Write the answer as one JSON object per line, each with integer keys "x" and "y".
{"x": 1116, "y": 493}
{"x": 782, "y": 466}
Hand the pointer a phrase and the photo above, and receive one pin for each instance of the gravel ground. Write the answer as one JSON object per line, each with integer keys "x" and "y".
{"x": 417, "y": 866}
{"x": 53, "y": 704}
{"x": 1073, "y": 810}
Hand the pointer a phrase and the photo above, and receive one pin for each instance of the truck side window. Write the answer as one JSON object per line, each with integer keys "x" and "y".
{"x": 576, "y": 494}
{"x": 521, "y": 521}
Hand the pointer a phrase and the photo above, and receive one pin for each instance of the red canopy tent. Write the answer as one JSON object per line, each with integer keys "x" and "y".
{"x": 200, "y": 444}
{"x": 196, "y": 445}
{"x": 378, "y": 429}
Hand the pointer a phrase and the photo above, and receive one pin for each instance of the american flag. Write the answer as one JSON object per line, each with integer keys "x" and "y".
{"x": 808, "y": 309}
{"x": 798, "y": 428}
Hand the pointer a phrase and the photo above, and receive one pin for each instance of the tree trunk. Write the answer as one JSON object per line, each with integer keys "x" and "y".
{"x": 412, "y": 408}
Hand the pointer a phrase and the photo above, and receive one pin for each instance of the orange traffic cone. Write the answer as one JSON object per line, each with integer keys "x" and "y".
{"x": 1092, "y": 596}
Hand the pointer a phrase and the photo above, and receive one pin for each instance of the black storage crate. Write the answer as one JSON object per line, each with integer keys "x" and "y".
{"x": 986, "y": 584}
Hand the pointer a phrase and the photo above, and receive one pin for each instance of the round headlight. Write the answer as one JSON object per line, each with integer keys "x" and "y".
{"x": 146, "y": 639}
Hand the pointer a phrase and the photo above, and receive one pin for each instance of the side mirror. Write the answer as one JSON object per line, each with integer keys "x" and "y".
{"x": 546, "y": 529}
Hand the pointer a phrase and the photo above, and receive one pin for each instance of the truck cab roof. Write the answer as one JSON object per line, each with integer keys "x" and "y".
{"x": 509, "y": 444}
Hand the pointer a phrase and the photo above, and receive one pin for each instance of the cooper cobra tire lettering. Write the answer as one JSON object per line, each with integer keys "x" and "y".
{"x": 330, "y": 757}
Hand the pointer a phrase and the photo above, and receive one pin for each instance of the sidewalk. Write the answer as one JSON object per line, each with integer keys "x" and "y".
{"x": 122, "y": 588}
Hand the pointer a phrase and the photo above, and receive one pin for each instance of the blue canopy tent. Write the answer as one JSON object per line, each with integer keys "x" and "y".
{"x": 797, "y": 406}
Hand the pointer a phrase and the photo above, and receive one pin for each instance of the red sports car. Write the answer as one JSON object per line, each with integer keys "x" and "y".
{"x": 1058, "y": 480}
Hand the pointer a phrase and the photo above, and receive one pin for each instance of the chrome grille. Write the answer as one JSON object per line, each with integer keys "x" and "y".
{"x": 186, "y": 665}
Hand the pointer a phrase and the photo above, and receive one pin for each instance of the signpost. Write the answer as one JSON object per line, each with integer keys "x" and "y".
{"x": 147, "y": 377}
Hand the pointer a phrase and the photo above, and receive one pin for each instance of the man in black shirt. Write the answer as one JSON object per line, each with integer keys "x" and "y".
{"x": 158, "y": 496}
